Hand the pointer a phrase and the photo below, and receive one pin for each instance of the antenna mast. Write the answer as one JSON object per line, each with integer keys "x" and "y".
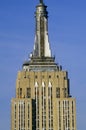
{"x": 41, "y": 1}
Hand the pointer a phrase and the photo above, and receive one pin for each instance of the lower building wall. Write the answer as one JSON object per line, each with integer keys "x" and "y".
{"x": 66, "y": 114}
{"x": 21, "y": 114}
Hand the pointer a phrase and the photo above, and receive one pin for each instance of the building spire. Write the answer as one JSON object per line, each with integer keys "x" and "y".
{"x": 41, "y": 1}
{"x": 41, "y": 45}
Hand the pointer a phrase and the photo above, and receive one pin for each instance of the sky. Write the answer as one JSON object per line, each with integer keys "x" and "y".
{"x": 67, "y": 36}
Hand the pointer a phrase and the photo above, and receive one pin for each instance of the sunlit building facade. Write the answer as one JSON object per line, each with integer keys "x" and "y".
{"x": 43, "y": 100}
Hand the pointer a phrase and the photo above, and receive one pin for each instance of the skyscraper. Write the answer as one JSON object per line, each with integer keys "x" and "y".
{"x": 43, "y": 100}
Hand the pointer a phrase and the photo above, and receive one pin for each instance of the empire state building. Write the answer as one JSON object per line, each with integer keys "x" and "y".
{"x": 43, "y": 100}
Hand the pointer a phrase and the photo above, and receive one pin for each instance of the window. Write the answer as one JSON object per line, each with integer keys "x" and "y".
{"x": 65, "y": 92}
{"x": 42, "y": 76}
{"x": 57, "y": 76}
{"x": 49, "y": 92}
{"x": 57, "y": 92}
{"x": 36, "y": 76}
{"x": 28, "y": 92}
{"x": 72, "y": 108}
{"x": 20, "y": 92}
{"x": 49, "y": 76}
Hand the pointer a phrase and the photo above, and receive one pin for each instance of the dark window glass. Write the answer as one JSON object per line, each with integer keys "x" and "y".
{"x": 57, "y": 92}
{"x": 28, "y": 92}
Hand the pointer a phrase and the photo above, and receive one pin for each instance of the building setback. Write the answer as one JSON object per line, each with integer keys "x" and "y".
{"x": 43, "y": 100}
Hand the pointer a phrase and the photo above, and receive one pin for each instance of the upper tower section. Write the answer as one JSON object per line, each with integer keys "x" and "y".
{"x": 41, "y": 58}
{"x": 41, "y": 45}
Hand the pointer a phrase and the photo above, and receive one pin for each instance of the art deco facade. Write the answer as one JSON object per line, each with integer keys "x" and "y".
{"x": 43, "y": 100}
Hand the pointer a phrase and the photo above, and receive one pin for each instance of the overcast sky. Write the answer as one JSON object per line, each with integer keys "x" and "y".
{"x": 67, "y": 36}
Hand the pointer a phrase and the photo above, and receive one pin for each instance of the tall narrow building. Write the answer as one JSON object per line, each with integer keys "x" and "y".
{"x": 43, "y": 100}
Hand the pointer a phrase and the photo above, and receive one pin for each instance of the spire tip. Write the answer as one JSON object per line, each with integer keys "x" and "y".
{"x": 41, "y": 1}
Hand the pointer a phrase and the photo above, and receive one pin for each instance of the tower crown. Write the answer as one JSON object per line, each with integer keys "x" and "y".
{"x": 41, "y": 58}
{"x": 41, "y": 45}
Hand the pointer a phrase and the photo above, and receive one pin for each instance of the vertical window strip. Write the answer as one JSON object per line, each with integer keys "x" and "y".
{"x": 50, "y": 106}
{"x": 21, "y": 116}
{"x": 51, "y": 110}
{"x": 43, "y": 106}
{"x": 59, "y": 116}
{"x": 15, "y": 116}
{"x": 28, "y": 112}
{"x": 66, "y": 114}
{"x": 23, "y": 112}
{"x": 37, "y": 104}
{"x": 64, "y": 110}
{"x": 63, "y": 117}
{"x": 28, "y": 117}
{"x": 18, "y": 116}
{"x": 72, "y": 114}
